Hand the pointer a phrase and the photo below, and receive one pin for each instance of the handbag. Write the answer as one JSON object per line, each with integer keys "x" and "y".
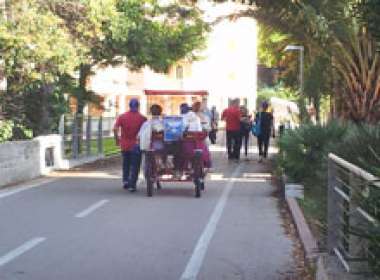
{"x": 256, "y": 127}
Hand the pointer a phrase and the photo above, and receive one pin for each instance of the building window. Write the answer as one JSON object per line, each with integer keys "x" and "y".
{"x": 179, "y": 72}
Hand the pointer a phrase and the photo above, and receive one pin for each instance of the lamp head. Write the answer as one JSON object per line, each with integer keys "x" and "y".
{"x": 294, "y": 48}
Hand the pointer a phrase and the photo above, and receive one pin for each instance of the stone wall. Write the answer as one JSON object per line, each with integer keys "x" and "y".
{"x": 25, "y": 160}
{"x": 19, "y": 161}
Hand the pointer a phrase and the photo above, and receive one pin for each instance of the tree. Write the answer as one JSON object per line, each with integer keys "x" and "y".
{"x": 368, "y": 12}
{"x": 35, "y": 48}
{"x": 271, "y": 46}
{"x": 318, "y": 82}
{"x": 47, "y": 44}
{"x": 330, "y": 29}
{"x": 136, "y": 32}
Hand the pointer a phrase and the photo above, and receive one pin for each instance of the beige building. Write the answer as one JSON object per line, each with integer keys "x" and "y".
{"x": 227, "y": 70}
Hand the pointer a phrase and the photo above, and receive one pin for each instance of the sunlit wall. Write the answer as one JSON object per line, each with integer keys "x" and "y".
{"x": 228, "y": 68}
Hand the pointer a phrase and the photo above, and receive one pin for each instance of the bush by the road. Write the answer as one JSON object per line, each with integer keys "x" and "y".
{"x": 303, "y": 156}
{"x": 11, "y": 131}
{"x": 303, "y": 151}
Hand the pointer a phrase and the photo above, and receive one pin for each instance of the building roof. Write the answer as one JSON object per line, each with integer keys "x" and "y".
{"x": 175, "y": 92}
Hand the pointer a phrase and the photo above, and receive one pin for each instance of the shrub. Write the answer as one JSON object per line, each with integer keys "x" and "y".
{"x": 6, "y": 128}
{"x": 11, "y": 131}
{"x": 303, "y": 157}
{"x": 361, "y": 147}
{"x": 303, "y": 151}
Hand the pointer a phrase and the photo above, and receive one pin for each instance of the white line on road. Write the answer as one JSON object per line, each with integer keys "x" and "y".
{"x": 91, "y": 209}
{"x": 194, "y": 265}
{"x": 21, "y": 250}
{"x": 25, "y": 187}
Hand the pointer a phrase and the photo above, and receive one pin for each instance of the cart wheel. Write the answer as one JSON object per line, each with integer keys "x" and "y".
{"x": 159, "y": 187}
{"x": 149, "y": 173}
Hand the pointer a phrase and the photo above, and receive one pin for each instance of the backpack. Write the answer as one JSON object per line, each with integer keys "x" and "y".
{"x": 256, "y": 126}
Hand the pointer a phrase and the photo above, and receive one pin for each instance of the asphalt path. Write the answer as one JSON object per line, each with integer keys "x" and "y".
{"x": 86, "y": 226}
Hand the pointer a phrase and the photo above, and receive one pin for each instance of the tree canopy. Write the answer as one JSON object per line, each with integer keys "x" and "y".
{"x": 368, "y": 11}
{"x": 342, "y": 32}
{"x": 49, "y": 45}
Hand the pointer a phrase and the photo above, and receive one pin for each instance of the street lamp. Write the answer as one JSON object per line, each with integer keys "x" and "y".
{"x": 301, "y": 49}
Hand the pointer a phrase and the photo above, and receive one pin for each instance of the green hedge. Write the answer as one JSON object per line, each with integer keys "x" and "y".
{"x": 303, "y": 151}
{"x": 11, "y": 131}
{"x": 303, "y": 157}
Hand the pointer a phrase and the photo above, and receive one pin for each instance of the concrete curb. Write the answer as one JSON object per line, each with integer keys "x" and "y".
{"x": 309, "y": 244}
{"x": 68, "y": 164}
{"x": 308, "y": 241}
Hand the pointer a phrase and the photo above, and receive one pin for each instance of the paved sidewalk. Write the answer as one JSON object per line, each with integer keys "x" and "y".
{"x": 85, "y": 226}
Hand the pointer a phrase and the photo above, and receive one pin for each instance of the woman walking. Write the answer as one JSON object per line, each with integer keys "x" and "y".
{"x": 245, "y": 128}
{"x": 264, "y": 122}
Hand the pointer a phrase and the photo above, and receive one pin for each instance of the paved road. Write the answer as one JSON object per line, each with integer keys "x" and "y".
{"x": 87, "y": 227}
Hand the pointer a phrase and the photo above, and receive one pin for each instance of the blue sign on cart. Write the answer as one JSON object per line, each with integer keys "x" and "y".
{"x": 173, "y": 128}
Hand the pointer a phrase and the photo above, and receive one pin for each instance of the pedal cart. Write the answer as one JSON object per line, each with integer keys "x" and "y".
{"x": 181, "y": 161}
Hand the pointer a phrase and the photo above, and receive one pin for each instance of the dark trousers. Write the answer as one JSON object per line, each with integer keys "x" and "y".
{"x": 245, "y": 140}
{"x": 233, "y": 144}
{"x": 263, "y": 142}
{"x": 131, "y": 167}
{"x": 212, "y": 136}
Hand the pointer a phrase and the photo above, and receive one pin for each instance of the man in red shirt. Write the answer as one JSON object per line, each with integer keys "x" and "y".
{"x": 232, "y": 116}
{"x": 129, "y": 125}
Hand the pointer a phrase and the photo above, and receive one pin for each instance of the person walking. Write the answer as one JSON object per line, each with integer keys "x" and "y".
{"x": 214, "y": 125}
{"x": 126, "y": 128}
{"x": 204, "y": 115}
{"x": 146, "y": 142}
{"x": 264, "y": 119}
{"x": 231, "y": 116}
{"x": 245, "y": 128}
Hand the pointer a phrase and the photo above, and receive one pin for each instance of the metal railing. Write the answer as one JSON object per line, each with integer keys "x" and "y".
{"x": 353, "y": 216}
{"x": 85, "y": 135}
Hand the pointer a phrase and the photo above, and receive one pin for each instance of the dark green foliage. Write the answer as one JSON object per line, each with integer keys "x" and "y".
{"x": 331, "y": 29}
{"x": 45, "y": 44}
{"x": 368, "y": 11}
{"x": 43, "y": 111}
{"x": 318, "y": 82}
{"x": 362, "y": 147}
{"x": 5, "y": 130}
{"x": 303, "y": 156}
{"x": 9, "y": 130}
{"x": 303, "y": 151}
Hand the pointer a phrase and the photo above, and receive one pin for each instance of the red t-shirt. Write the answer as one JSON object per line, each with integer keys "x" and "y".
{"x": 232, "y": 117}
{"x": 130, "y": 124}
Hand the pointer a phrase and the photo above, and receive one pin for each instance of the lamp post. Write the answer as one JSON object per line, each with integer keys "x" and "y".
{"x": 301, "y": 49}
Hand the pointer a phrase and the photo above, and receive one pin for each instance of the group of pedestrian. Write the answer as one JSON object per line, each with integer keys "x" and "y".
{"x": 240, "y": 125}
{"x": 133, "y": 133}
